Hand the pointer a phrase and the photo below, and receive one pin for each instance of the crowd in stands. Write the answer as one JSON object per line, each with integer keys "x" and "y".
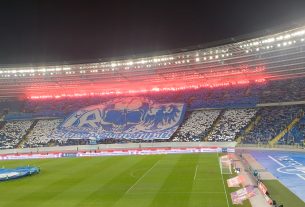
{"x": 273, "y": 120}
{"x": 65, "y": 106}
{"x": 296, "y": 134}
{"x": 283, "y": 91}
{"x": 10, "y": 105}
{"x": 12, "y": 133}
{"x": 232, "y": 96}
{"x": 41, "y": 134}
{"x": 195, "y": 126}
{"x": 211, "y": 125}
{"x": 230, "y": 124}
{"x": 219, "y": 97}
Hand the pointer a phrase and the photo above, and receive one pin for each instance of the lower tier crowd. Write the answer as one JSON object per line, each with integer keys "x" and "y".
{"x": 251, "y": 126}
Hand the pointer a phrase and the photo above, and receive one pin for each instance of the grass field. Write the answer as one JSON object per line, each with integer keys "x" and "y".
{"x": 282, "y": 195}
{"x": 185, "y": 180}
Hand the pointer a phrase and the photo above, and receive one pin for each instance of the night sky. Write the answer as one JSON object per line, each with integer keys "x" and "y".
{"x": 58, "y": 31}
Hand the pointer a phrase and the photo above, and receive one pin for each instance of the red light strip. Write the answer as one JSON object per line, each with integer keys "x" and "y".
{"x": 167, "y": 82}
{"x": 139, "y": 91}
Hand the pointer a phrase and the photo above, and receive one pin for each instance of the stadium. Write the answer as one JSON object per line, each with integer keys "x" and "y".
{"x": 220, "y": 124}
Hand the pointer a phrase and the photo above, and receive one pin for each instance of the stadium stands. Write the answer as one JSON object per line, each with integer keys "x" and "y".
{"x": 12, "y": 133}
{"x": 240, "y": 96}
{"x": 221, "y": 97}
{"x": 41, "y": 134}
{"x": 231, "y": 123}
{"x": 283, "y": 91}
{"x": 273, "y": 121}
{"x": 229, "y": 85}
{"x": 296, "y": 135}
{"x": 209, "y": 125}
{"x": 196, "y": 125}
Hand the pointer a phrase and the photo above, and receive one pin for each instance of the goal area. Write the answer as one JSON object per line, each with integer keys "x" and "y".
{"x": 225, "y": 164}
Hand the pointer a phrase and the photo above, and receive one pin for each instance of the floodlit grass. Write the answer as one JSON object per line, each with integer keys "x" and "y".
{"x": 185, "y": 180}
{"x": 283, "y": 195}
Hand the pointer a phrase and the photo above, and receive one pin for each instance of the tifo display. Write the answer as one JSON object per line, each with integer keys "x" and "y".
{"x": 129, "y": 118}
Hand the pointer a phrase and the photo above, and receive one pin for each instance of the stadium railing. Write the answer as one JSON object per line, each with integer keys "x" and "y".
{"x": 295, "y": 146}
{"x": 120, "y": 146}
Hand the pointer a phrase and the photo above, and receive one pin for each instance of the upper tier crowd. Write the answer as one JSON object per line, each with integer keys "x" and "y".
{"x": 219, "y": 97}
{"x": 233, "y": 96}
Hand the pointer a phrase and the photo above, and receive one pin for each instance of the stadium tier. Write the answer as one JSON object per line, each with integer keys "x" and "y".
{"x": 252, "y": 125}
{"x": 249, "y": 90}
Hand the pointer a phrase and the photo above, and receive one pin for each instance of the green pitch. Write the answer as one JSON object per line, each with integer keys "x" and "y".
{"x": 282, "y": 195}
{"x": 189, "y": 180}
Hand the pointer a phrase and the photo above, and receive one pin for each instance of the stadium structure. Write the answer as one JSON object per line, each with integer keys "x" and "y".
{"x": 224, "y": 97}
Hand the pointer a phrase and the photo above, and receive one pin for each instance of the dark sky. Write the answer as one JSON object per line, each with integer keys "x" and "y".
{"x": 56, "y": 31}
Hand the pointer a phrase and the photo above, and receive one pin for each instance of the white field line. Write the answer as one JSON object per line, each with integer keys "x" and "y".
{"x": 276, "y": 161}
{"x": 199, "y": 178}
{"x": 142, "y": 177}
{"x": 300, "y": 176}
{"x": 173, "y": 192}
{"x": 223, "y": 182}
{"x": 195, "y": 172}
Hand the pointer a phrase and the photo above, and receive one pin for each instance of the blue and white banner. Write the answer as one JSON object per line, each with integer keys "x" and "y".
{"x": 9, "y": 174}
{"x": 124, "y": 118}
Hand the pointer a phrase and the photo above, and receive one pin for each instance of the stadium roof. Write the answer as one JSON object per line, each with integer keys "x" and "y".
{"x": 223, "y": 42}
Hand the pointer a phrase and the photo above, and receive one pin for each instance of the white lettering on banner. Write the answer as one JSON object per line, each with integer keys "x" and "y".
{"x": 125, "y": 118}
{"x": 92, "y": 122}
